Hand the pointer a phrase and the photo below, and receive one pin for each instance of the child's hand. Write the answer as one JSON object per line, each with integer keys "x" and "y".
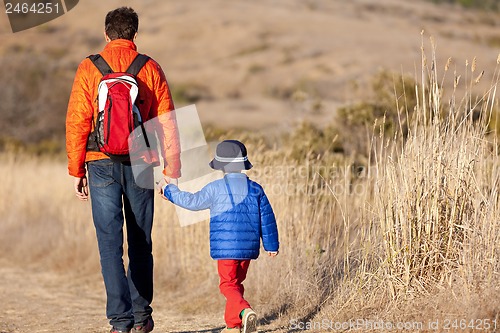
{"x": 273, "y": 253}
{"x": 160, "y": 186}
{"x": 162, "y": 192}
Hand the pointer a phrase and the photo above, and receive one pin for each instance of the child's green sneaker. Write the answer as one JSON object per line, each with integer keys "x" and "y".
{"x": 231, "y": 330}
{"x": 249, "y": 319}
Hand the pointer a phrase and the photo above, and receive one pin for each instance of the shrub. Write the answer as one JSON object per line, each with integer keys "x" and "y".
{"x": 190, "y": 93}
{"x": 387, "y": 111}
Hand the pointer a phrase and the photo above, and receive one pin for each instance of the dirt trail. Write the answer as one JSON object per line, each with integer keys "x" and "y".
{"x": 35, "y": 301}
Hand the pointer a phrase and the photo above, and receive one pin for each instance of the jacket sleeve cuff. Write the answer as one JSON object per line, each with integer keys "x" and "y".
{"x": 168, "y": 190}
{"x": 79, "y": 173}
{"x": 171, "y": 173}
{"x": 272, "y": 247}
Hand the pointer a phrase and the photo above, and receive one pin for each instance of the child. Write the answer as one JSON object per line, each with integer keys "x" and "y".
{"x": 240, "y": 215}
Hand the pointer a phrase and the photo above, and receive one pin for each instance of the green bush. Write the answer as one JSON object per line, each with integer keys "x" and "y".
{"x": 392, "y": 101}
{"x": 190, "y": 93}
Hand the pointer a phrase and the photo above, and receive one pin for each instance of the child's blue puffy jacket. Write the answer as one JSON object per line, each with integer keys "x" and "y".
{"x": 240, "y": 215}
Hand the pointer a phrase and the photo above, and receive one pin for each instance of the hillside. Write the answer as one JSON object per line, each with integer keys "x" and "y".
{"x": 260, "y": 65}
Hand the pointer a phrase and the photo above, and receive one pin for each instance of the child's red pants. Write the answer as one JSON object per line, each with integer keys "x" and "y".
{"x": 232, "y": 273}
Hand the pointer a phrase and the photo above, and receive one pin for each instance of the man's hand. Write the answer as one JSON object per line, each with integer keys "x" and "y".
{"x": 81, "y": 188}
{"x": 169, "y": 180}
{"x": 273, "y": 253}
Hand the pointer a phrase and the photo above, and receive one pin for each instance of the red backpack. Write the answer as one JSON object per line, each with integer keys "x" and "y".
{"x": 118, "y": 114}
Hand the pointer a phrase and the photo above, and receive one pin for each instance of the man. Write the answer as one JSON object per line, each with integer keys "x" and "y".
{"x": 114, "y": 191}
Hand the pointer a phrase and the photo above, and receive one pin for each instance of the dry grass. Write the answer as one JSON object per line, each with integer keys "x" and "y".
{"x": 416, "y": 228}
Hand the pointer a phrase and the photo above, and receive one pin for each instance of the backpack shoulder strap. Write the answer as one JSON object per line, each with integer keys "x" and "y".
{"x": 100, "y": 63}
{"x": 136, "y": 65}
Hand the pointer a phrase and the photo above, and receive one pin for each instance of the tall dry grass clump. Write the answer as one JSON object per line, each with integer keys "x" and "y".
{"x": 435, "y": 209}
{"x": 437, "y": 189}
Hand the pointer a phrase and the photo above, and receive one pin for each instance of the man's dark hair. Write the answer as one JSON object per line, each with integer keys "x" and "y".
{"x": 121, "y": 23}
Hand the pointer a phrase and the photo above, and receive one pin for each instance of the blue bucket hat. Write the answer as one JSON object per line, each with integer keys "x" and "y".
{"x": 230, "y": 155}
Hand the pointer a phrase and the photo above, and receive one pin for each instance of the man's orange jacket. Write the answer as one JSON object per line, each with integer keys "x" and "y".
{"x": 154, "y": 96}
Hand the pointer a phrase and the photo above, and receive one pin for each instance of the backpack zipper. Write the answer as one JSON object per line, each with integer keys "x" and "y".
{"x": 109, "y": 119}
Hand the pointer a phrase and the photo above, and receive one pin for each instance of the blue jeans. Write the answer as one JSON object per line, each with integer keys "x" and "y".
{"x": 115, "y": 193}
